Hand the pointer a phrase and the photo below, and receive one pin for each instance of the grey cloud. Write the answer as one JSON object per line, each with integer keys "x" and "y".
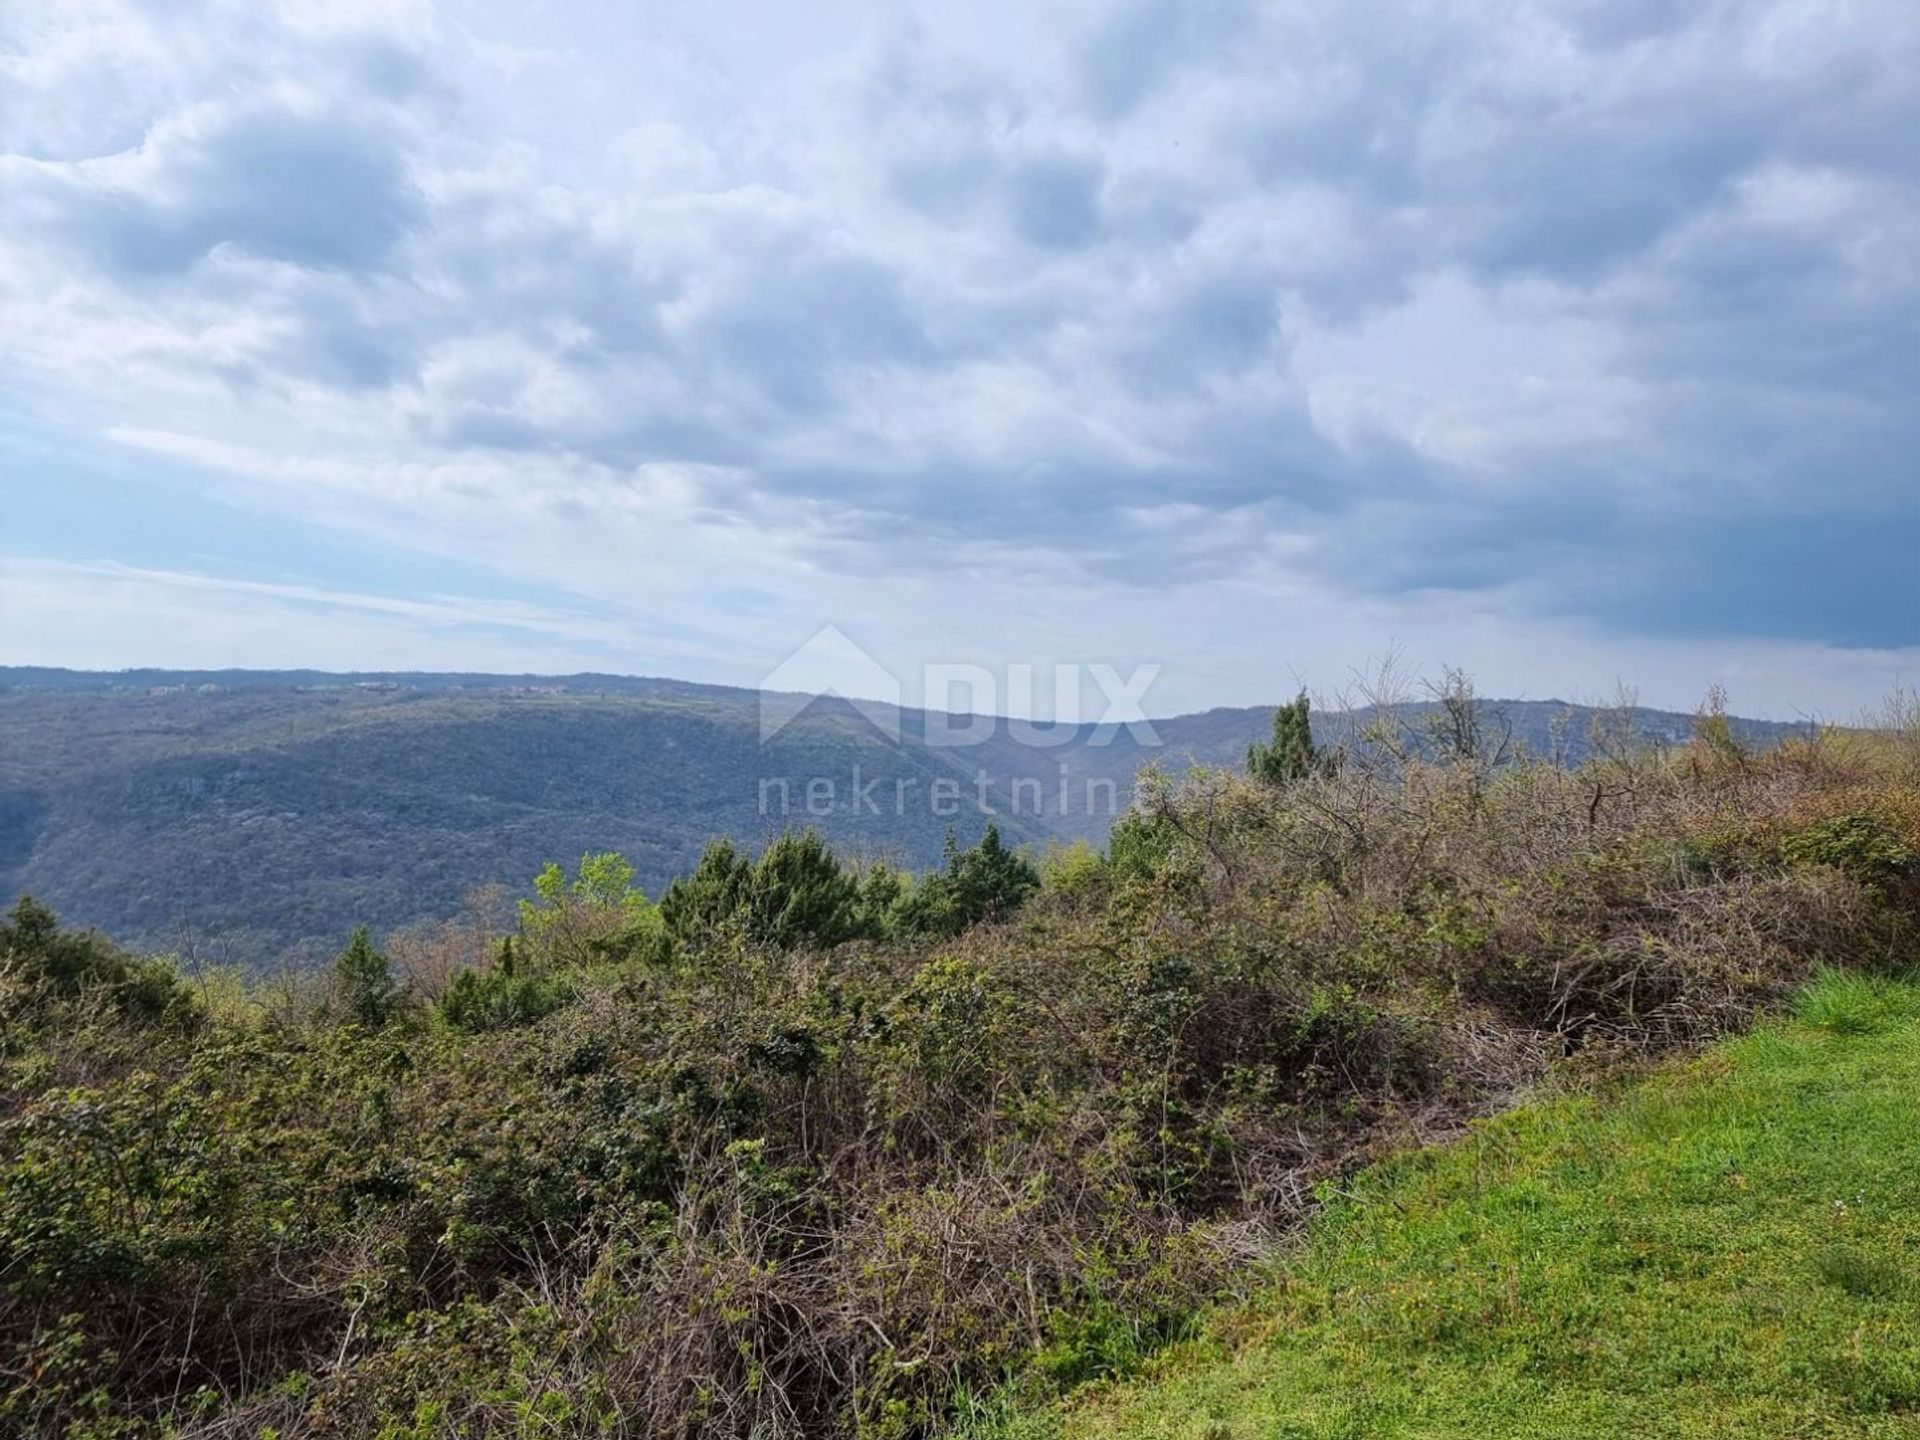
{"x": 1224, "y": 479}
{"x": 943, "y": 183}
{"x": 1220, "y": 323}
{"x": 515, "y": 267}
{"x": 348, "y": 343}
{"x": 1787, "y": 572}
{"x": 1060, "y": 315}
{"x": 316, "y": 190}
{"x": 1794, "y": 567}
{"x": 1054, "y": 201}
{"x": 801, "y": 318}
{"x": 1144, "y": 41}
{"x": 1592, "y": 191}
{"x": 1613, "y": 23}
{"x": 1846, "y": 579}
{"x": 390, "y": 70}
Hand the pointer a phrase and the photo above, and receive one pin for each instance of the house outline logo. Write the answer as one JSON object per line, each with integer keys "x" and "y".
{"x": 830, "y": 665}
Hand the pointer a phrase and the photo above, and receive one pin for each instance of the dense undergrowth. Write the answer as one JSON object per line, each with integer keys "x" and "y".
{"x": 805, "y": 1151}
{"x": 1727, "y": 1248}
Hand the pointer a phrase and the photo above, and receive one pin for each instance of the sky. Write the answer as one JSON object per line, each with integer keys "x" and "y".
{"x": 1576, "y": 344}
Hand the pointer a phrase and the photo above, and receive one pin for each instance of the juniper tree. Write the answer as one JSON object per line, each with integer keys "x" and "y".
{"x": 503, "y": 996}
{"x": 987, "y": 882}
{"x": 366, "y": 982}
{"x": 882, "y": 892}
{"x": 798, "y": 894}
{"x": 1290, "y": 755}
{"x": 702, "y": 902}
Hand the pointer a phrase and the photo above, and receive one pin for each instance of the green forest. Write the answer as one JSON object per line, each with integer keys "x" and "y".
{"x": 240, "y": 816}
{"x": 807, "y": 1144}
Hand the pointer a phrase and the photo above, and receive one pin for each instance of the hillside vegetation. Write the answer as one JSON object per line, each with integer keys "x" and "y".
{"x": 239, "y": 816}
{"x": 1729, "y": 1249}
{"x": 810, "y": 1148}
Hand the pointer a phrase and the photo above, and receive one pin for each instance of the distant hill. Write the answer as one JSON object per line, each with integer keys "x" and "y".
{"x": 263, "y": 813}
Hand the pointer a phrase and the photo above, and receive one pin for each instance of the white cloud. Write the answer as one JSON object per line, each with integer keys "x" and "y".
{"x": 1589, "y": 326}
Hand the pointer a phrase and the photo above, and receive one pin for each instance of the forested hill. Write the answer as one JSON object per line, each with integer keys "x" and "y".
{"x": 250, "y": 814}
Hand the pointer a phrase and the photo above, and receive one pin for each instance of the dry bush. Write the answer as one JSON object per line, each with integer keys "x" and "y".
{"x": 428, "y": 955}
{"x": 738, "y": 1192}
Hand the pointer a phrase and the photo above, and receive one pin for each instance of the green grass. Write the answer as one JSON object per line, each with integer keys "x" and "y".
{"x": 1728, "y": 1248}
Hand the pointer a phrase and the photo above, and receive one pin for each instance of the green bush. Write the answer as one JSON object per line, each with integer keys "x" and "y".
{"x": 501, "y": 997}
{"x": 985, "y": 883}
{"x": 1076, "y": 869}
{"x": 1858, "y": 844}
{"x": 809, "y": 1150}
{"x": 368, "y": 993}
{"x": 51, "y": 965}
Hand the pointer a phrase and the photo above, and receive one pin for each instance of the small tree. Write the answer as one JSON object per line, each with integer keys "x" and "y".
{"x": 1290, "y": 756}
{"x": 882, "y": 889}
{"x": 366, "y": 982}
{"x": 502, "y": 996}
{"x": 595, "y": 917}
{"x": 988, "y": 882}
{"x": 1139, "y": 843}
{"x": 799, "y": 895}
{"x": 994, "y": 880}
{"x": 1713, "y": 737}
{"x": 1462, "y": 729}
{"x": 702, "y": 902}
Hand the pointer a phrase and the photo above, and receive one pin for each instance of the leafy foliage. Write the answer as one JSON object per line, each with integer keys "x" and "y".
{"x": 49, "y": 964}
{"x": 596, "y": 916}
{"x": 796, "y": 895}
{"x": 134, "y": 802}
{"x": 984, "y": 883}
{"x": 1862, "y": 845}
{"x": 1727, "y": 1247}
{"x": 365, "y": 978}
{"x": 1144, "y": 838}
{"x": 502, "y": 996}
{"x": 1290, "y": 754}
{"x": 810, "y": 1149}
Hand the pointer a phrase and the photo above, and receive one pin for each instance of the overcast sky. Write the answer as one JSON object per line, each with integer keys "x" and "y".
{"x": 1573, "y": 343}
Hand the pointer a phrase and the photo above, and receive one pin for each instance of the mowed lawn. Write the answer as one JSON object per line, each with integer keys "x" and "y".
{"x": 1728, "y": 1248}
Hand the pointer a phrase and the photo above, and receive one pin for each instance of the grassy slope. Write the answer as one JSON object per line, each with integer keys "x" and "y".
{"x": 1731, "y": 1248}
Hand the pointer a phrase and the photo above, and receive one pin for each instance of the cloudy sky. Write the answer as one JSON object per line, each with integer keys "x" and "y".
{"x": 1572, "y": 342}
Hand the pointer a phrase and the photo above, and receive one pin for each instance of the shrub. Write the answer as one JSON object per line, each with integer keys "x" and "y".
{"x": 809, "y": 1181}
{"x": 985, "y": 883}
{"x": 1076, "y": 869}
{"x": 502, "y": 996}
{"x": 701, "y": 904}
{"x": 367, "y": 990}
{"x": 596, "y": 916}
{"x": 1139, "y": 845}
{"x": 51, "y": 964}
{"x": 1290, "y": 755}
{"x": 1860, "y": 845}
{"x": 796, "y": 895}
